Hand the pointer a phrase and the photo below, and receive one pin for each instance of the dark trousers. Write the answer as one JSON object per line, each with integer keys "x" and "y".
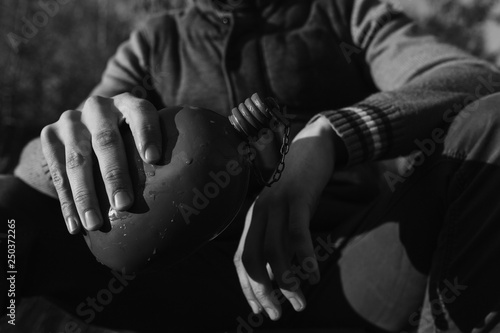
{"x": 405, "y": 244}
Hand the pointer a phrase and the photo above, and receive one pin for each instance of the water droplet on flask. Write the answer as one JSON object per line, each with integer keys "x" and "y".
{"x": 149, "y": 170}
{"x": 115, "y": 215}
{"x": 112, "y": 215}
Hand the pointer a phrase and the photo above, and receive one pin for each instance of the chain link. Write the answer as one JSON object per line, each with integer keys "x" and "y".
{"x": 285, "y": 147}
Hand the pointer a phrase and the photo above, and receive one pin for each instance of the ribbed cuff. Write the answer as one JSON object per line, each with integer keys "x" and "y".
{"x": 366, "y": 129}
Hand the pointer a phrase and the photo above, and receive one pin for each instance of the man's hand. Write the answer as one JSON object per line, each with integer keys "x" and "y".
{"x": 276, "y": 229}
{"x": 68, "y": 145}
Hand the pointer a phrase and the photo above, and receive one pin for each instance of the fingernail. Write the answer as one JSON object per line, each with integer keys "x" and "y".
{"x": 273, "y": 314}
{"x": 152, "y": 154}
{"x": 122, "y": 200}
{"x": 297, "y": 304}
{"x": 255, "y": 307}
{"x": 71, "y": 224}
{"x": 92, "y": 220}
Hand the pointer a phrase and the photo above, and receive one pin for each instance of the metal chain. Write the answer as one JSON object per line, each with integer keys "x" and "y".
{"x": 285, "y": 147}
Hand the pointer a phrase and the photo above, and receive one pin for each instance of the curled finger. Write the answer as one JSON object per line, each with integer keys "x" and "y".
{"x": 102, "y": 121}
{"x": 54, "y": 153}
{"x": 144, "y": 122}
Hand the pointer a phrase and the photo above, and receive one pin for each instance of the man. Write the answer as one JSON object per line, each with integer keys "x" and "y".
{"x": 377, "y": 245}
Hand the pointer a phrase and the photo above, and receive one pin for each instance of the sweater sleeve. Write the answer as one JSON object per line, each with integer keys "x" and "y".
{"x": 422, "y": 84}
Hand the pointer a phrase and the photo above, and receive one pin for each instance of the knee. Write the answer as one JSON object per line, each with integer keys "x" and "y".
{"x": 480, "y": 116}
{"x": 475, "y": 132}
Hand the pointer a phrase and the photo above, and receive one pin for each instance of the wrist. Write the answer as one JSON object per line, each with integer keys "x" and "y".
{"x": 322, "y": 127}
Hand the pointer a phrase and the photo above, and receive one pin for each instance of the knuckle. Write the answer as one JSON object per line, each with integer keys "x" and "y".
{"x": 50, "y": 144}
{"x": 126, "y": 98}
{"x": 82, "y": 198}
{"x": 125, "y": 95}
{"x": 75, "y": 160}
{"x": 260, "y": 293}
{"x": 143, "y": 106}
{"x": 247, "y": 290}
{"x": 47, "y": 134}
{"x": 94, "y": 101}
{"x": 148, "y": 129}
{"x": 67, "y": 208}
{"x": 107, "y": 138}
{"x": 58, "y": 178}
{"x": 68, "y": 116}
{"x": 48, "y": 137}
{"x": 114, "y": 175}
{"x": 237, "y": 260}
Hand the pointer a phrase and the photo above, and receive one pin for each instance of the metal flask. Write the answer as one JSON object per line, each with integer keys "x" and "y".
{"x": 196, "y": 189}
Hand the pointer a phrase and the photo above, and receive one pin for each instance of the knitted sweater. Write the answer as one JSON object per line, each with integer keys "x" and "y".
{"x": 381, "y": 81}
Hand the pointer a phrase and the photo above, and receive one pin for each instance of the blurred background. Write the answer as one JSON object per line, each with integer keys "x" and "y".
{"x": 51, "y": 68}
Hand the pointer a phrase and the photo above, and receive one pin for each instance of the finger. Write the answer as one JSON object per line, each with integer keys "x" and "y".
{"x": 262, "y": 289}
{"x": 144, "y": 122}
{"x": 240, "y": 268}
{"x": 53, "y": 150}
{"x": 245, "y": 285}
{"x": 253, "y": 258}
{"x": 101, "y": 118}
{"x": 300, "y": 237}
{"x": 279, "y": 257}
{"x": 270, "y": 272}
{"x": 78, "y": 159}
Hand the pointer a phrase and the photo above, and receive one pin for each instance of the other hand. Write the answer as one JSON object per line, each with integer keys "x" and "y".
{"x": 276, "y": 231}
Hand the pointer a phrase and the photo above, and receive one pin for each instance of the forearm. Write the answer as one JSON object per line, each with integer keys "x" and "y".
{"x": 388, "y": 124}
{"x": 423, "y": 84}
{"x": 321, "y": 127}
